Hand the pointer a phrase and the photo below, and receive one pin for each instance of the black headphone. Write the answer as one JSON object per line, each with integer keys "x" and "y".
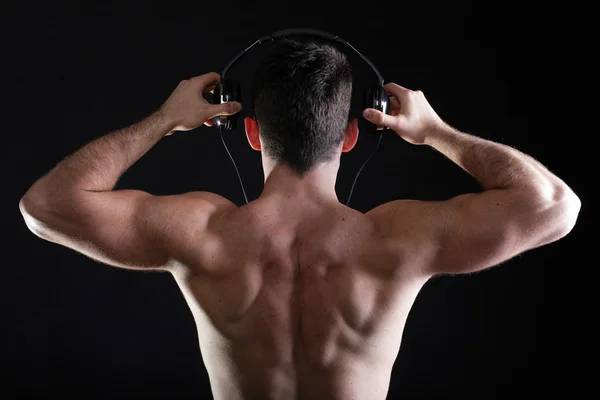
{"x": 375, "y": 96}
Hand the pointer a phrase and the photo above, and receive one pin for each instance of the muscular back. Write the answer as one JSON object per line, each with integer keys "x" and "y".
{"x": 306, "y": 304}
{"x": 295, "y": 300}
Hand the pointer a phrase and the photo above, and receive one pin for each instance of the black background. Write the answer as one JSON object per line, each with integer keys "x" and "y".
{"x": 77, "y": 327}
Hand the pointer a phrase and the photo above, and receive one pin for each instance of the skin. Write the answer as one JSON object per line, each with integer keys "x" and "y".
{"x": 295, "y": 295}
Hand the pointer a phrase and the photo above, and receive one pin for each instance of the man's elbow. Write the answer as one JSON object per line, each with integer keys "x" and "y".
{"x": 549, "y": 219}
{"x": 32, "y": 209}
{"x": 570, "y": 207}
{"x": 562, "y": 215}
{"x": 32, "y": 203}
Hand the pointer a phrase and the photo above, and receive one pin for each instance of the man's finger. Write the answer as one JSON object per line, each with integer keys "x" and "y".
{"x": 209, "y": 79}
{"x": 396, "y": 90}
{"x": 379, "y": 118}
{"x": 395, "y": 86}
{"x": 228, "y": 108}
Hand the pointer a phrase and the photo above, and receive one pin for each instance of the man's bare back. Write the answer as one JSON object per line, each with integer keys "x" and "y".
{"x": 302, "y": 305}
{"x": 297, "y": 298}
{"x": 307, "y": 305}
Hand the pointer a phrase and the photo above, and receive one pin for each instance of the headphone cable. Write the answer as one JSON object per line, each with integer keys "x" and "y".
{"x": 236, "y": 168}
{"x": 361, "y": 168}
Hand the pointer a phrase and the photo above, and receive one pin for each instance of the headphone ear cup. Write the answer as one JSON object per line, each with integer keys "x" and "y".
{"x": 383, "y": 100}
{"x": 235, "y": 93}
{"x": 369, "y": 103}
{"x": 232, "y": 120}
{"x": 368, "y": 97}
{"x": 216, "y": 99}
{"x": 226, "y": 91}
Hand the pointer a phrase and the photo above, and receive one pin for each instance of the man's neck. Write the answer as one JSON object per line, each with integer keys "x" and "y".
{"x": 317, "y": 185}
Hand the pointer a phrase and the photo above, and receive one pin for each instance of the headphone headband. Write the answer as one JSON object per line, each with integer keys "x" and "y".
{"x": 375, "y": 96}
{"x": 302, "y": 32}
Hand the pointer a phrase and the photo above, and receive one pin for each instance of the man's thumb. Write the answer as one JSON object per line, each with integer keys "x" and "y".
{"x": 373, "y": 115}
{"x": 377, "y": 117}
{"x": 228, "y": 108}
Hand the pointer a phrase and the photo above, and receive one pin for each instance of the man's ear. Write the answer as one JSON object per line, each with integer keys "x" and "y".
{"x": 252, "y": 133}
{"x": 351, "y": 136}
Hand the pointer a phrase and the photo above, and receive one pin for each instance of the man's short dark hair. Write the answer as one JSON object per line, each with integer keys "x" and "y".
{"x": 301, "y": 95}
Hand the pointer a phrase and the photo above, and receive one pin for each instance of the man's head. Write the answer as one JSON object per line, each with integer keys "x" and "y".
{"x": 301, "y": 98}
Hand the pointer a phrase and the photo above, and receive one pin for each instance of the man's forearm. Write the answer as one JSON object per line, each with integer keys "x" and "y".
{"x": 98, "y": 165}
{"x": 494, "y": 165}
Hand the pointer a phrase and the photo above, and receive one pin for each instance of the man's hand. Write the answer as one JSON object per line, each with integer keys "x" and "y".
{"x": 186, "y": 109}
{"x": 412, "y": 117}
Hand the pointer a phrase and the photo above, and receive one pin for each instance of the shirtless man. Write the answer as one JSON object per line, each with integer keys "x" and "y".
{"x": 295, "y": 295}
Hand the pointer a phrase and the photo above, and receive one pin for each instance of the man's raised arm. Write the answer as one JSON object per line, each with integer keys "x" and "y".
{"x": 523, "y": 206}
{"x": 74, "y": 204}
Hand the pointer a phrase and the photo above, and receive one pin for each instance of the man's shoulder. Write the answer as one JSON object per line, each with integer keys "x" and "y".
{"x": 198, "y": 211}
{"x": 202, "y": 220}
{"x": 209, "y": 202}
{"x": 385, "y": 215}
